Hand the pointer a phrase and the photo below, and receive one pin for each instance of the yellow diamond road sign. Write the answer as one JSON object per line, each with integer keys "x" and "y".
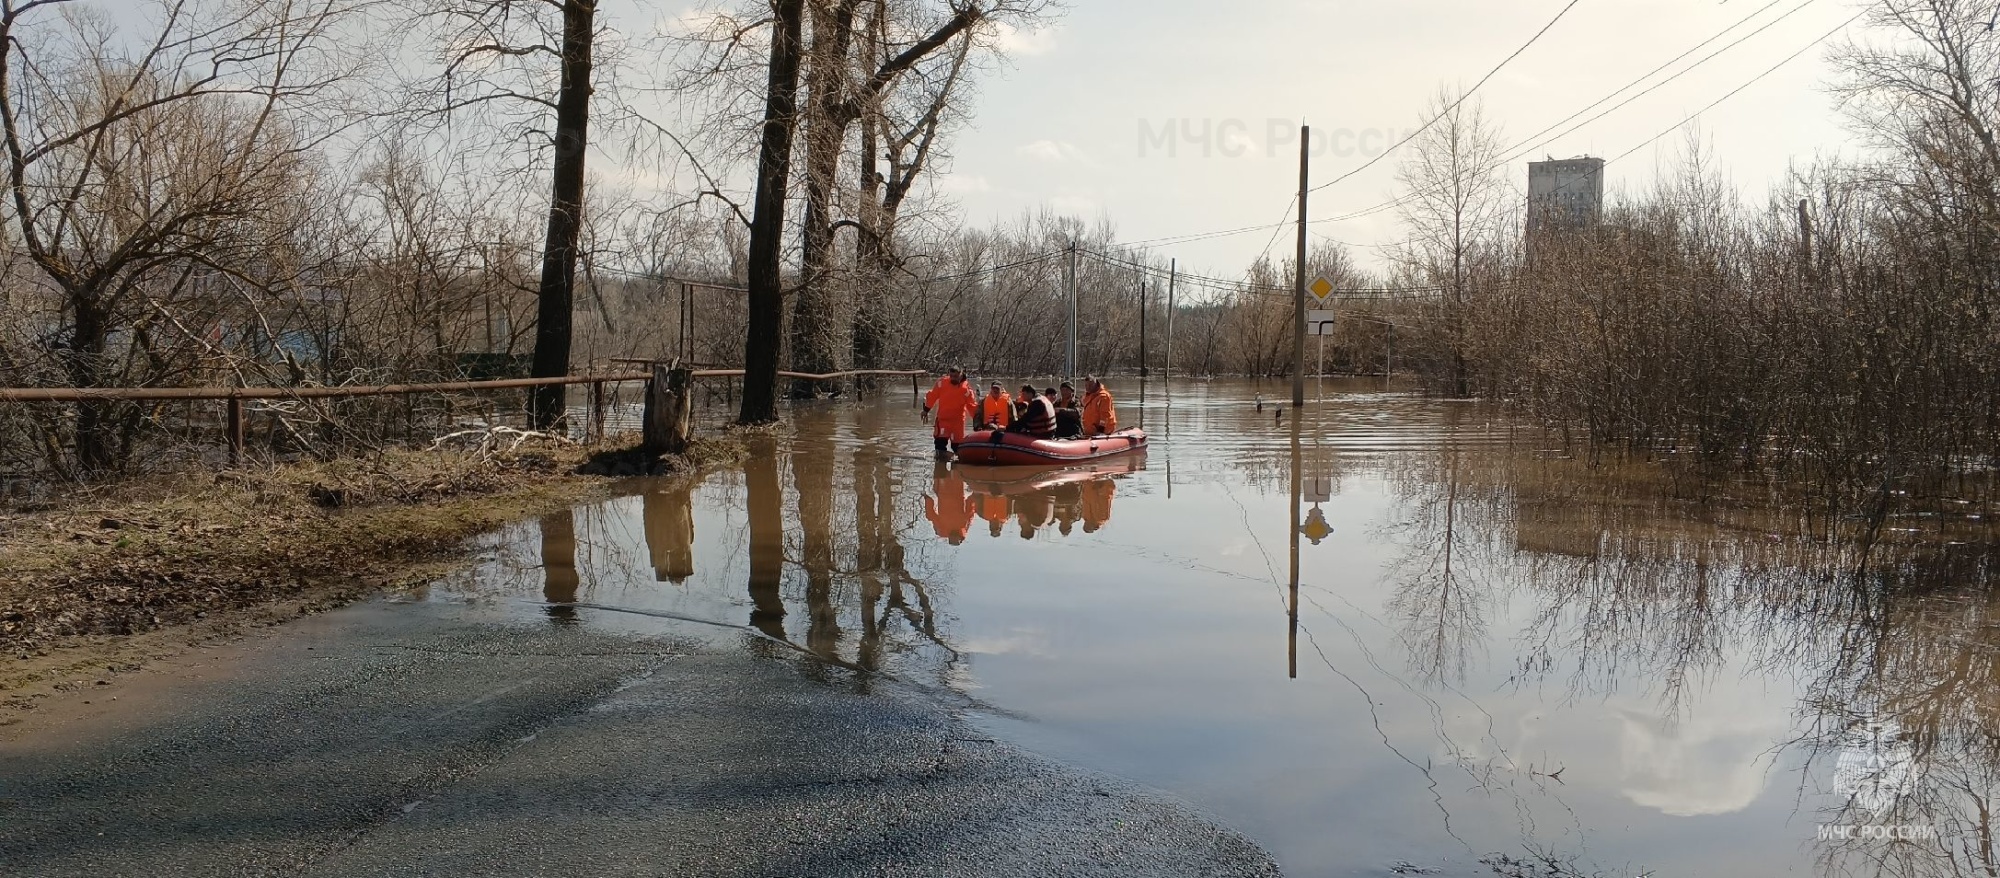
{"x": 1321, "y": 289}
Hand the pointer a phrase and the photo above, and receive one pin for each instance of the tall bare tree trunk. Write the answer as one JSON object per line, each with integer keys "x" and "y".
{"x": 870, "y": 259}
{"x": 552, "y": 324}
{"x": 767, "y": 223}
{"x": 815, "y": 327}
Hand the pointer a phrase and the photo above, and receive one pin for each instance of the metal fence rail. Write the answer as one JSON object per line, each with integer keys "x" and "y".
{"x": 603, "y": 407}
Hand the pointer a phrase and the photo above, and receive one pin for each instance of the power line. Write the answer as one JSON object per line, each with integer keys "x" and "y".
{"x": 1528, "y": 144}
{"x": 1246, "y": 286}
{"x": 1732, "y": 92}
{"x": 1454, "y": 104}
{"x": 1519, "y": 151}
{"x": 1043, "y": 257}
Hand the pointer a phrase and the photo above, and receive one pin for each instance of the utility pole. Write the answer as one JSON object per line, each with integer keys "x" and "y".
{"x": 1069, "y": 355}
{"x": 1167, "y": 370}
{"x": 1143, "y": 370}
{"x": 1299, "y": 283}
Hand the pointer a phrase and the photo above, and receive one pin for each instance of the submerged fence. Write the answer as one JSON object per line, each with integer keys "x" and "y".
{"x": 181, "y": 424}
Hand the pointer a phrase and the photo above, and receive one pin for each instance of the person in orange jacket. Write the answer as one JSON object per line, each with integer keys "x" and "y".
{"x": 996, "y": 411}
{"x": 1099, "y": 417}
{"x": 953, "y": 400}
{"x": 948, "y": 506}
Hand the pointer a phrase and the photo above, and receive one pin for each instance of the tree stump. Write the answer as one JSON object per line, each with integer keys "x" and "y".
{"x": 669, "y": 409}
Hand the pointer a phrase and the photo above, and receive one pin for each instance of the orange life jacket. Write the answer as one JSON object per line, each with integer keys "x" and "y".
{"x": 997, "y": 409}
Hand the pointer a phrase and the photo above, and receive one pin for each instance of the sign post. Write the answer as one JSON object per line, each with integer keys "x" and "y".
{"x": 1320, "y": 321}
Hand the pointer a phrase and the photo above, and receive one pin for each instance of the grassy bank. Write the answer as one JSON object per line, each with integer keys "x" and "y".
{"x": 116, "y": 573}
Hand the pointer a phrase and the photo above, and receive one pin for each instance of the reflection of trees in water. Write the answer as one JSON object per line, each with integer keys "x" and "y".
{"x": 559, "y": 576}
{"x": 1442, "y": 591}
{"x": 864, "y": 566}
{"x": 764, "y": 498}
{"x": 1627, "y": 586}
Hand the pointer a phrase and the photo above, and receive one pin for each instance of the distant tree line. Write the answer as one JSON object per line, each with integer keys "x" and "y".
{"x": 1842, "y": 334}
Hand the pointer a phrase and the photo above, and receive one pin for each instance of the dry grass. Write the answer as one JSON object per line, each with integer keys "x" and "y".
{"x": 162, "y": 552}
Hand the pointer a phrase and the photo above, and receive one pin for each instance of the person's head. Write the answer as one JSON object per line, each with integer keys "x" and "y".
{"x": 1027, "y": 391}
{"x": 1050, "y": 392}
{"x": 1090, "y": 384}
{"x": 996, "y": 390}
{"x": 1068, "y": 389}
{"x": 957, "y": 374}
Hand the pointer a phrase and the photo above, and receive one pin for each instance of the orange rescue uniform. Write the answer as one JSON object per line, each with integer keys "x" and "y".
{"x": 1098, "y": 416}
{"x": 951, "y": 404}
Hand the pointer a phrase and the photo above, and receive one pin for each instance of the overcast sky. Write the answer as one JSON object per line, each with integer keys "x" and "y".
{"x": 1161, "y": 115}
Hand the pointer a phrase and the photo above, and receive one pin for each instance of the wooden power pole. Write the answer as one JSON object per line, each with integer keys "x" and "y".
{"x": 1299, "y": 282}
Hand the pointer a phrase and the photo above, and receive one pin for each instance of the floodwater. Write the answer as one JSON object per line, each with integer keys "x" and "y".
{"x": 1476, "y": 657}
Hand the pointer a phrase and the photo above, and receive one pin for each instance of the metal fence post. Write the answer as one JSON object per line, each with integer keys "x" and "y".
{"x": 234, "y": 424}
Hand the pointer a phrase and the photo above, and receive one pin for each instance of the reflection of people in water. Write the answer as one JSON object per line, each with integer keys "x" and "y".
{"x": 996, "y": 509}
{"x": 1097, "y": 504}
{"x": 669, "y": 521}
{"x": 559, "y": 576}
{"x": 1035, "y": 510}
{"x": 1035, "y": 501}
{"x": 948, "y": 507}
{"x": 1068, "y": 499}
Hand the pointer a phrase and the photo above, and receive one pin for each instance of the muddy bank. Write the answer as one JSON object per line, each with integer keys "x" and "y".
{"x": 115, "y": 575}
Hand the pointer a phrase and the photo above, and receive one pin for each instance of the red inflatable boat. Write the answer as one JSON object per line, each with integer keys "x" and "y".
{"x": 998, "y": 448}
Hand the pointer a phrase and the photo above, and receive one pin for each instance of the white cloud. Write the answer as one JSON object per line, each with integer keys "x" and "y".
{"x": 1015, "y": 641}
{"x": 1018, "y": 42}
{"x": 1052, "y": 151}
{"x": 962, "y": 184}
{"x": 1710, "y": 764}
{"x": 1075, "y": 205}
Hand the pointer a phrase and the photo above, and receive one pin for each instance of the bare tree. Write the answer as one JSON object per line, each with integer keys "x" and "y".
{"x": 1456, "y": 206}
{"x": 145, "y": 170}
{"x": 767, "y": 224}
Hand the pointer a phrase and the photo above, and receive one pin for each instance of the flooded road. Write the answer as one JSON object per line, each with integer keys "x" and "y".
{"x": 1460, "y": 653}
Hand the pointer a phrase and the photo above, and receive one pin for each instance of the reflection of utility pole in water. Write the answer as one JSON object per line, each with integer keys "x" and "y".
{"x": 559, "y": 576}
{"x": 669, "y": 521}
{"x": 1292, "y": 639}
{"x": 765, "y": 500}
{"x": 812, "y": 477}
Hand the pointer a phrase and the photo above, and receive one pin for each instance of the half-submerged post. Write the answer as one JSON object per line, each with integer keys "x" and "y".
{"x": 669, "y": 409}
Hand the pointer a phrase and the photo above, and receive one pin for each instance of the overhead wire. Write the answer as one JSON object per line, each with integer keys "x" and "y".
{"x": 1528, "y": 145}
{"x": 1732, "y": 92}
{"x": 1535, "y": 141}
{"x": 1463, "y": 96}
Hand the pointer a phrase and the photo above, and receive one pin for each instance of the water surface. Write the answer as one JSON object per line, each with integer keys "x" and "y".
{"x": 1495, "y": 658}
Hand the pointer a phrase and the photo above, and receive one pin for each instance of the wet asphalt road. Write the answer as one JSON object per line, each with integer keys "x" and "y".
{"x": 411, "y": 740}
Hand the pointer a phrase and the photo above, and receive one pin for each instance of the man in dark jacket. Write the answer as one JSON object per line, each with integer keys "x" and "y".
{"x": 1038, "y": 417}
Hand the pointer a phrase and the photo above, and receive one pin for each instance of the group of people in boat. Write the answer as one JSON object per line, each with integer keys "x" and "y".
{"x": 1048, "y": 413}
